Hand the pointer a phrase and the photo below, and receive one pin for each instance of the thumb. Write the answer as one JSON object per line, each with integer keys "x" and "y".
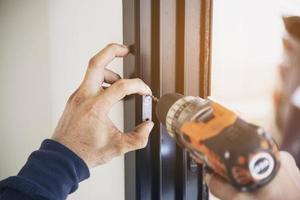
{"x": 219, "y": 187}
{"x": 138, "y": 138}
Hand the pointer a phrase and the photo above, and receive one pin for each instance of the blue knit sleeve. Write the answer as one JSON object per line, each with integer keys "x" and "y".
{"x": 51, "y": 173}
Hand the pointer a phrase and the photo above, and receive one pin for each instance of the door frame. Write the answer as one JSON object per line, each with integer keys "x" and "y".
{"x": 170, "y": 42}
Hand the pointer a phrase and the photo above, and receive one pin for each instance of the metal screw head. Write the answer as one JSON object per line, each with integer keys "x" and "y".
{"x": 226, "y": 155}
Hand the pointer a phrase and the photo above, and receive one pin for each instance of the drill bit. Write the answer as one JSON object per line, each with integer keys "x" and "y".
{"x": 154, "y": 98}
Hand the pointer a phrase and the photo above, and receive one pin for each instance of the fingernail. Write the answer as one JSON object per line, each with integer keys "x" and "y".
{"x": 150, "y": 126}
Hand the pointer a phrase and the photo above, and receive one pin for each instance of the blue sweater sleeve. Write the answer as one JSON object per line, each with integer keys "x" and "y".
{"x": 51, "y": 173}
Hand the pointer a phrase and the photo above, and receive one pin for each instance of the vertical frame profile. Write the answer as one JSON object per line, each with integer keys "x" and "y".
{"x": 171, "y": 52}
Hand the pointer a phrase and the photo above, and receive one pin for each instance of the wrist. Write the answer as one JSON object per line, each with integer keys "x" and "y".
{"x": 78, "y": 149}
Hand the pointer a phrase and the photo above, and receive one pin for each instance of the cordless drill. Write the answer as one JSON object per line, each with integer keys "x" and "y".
{"x": 242, "y": 153}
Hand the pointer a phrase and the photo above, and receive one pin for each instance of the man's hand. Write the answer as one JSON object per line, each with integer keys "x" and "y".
{"x": 286, "y": 184}
{"x": 85, "y": 127}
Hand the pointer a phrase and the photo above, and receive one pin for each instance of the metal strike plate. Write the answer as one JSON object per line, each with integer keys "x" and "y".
{"x": 147, "y": 108}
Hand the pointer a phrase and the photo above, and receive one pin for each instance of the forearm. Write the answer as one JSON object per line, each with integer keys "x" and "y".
{"x": 52, "y": 172}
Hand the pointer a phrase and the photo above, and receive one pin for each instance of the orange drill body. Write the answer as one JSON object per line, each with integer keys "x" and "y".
{"x": 241, "y": 152}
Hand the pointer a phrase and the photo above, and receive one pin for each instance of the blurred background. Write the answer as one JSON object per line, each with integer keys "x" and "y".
{"x": 45, "y": 47}
{"x": 247, "y": 49}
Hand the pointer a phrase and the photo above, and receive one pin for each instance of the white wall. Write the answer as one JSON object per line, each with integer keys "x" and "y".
{"x": 25, "y": 103}
{"x": 45, "y": 47}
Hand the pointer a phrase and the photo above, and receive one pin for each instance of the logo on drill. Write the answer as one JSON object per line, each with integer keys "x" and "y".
{"x": 261, "y": 166}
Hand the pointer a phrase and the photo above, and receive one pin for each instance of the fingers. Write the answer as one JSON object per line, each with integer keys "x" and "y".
{"x": 121, "y": 88}
{"x": 286, "y": 157}
{"x": 288, "y": 163}
{"x": 95, "y": 73}
{"x": 138, "y": 138}
{"x": 110, "y": 76}
{"x": 219, "y": 187}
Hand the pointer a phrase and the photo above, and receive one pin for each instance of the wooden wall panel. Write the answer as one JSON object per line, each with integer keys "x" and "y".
{"x": 206, "y": 17}
{"x": 192, "y": 48}
{"x": 129, "y": 103}
{"x": 167, "y": 45}
{"x": 171, "y": 40}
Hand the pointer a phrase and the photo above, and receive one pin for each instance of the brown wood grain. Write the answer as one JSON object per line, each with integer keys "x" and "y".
{"x": 172, "y": 45}
{"x": 206, "y": 15}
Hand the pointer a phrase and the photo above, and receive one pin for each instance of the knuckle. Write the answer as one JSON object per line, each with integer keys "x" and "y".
{"x": 122, "y": 84}
{"x": 119, "y": 151}
{"x": 141, "y": 84}
{"x": 112, "y": 46}
{"x": 77, "y": 97}
{"x": 94, "y": 110}
{"x": 72, "y": 96}
{"x": 142, "y": 142}
{"x": 92, "y": 62}
{"x": 139, "y": 81}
